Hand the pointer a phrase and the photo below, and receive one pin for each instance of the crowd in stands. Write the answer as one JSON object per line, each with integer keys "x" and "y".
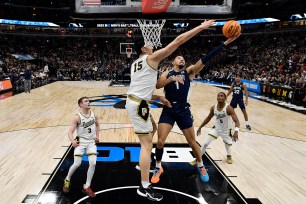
{"x": 278, "y": 59}
{"x": 275, "y": 58}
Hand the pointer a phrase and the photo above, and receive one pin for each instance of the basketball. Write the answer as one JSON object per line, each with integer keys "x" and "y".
{"x": 231, "y": 28}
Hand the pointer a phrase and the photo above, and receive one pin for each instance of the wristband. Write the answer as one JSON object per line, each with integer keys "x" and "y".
{"x": 236, "y": 129}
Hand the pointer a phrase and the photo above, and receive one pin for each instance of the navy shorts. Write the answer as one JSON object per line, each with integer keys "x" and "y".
{"x": 234, "y": 103}
{"x": 180, "y": 113}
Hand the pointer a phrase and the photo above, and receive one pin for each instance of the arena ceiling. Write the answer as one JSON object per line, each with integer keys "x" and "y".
{"x": 65, "y": 11}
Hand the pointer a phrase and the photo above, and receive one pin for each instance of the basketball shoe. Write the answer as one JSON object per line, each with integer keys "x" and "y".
{"x": 149, "y": 193}
{"x": 203, "y": 174}
{"x": 248, "y": 127}
{"x": 229, "y": 159}
{"x": 89, "y": 192}
{"x": 157, "y": 172}
{"x": 66, "y": 187}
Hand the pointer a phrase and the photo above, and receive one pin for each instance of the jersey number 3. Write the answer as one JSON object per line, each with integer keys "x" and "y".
{"x": 137, "y": 66}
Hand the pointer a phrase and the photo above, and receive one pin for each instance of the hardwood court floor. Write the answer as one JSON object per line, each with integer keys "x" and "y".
{"x": 269, "y": 162}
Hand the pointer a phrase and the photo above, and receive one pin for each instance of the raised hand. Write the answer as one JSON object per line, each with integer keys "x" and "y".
{"x": 207, "y": 23}
{"x": 228, "y": 41}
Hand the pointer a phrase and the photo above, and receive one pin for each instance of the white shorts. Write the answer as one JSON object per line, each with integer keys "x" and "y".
{"x": 139, "y": 113}
{"x": 225, "y": 135}
{"x": 90, "y": 148}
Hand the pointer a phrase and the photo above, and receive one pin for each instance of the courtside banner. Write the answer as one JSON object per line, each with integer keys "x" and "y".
{"x": 5, "y": 85}
{"x": 252, "y": 85}
{"x": 155, "y": 6}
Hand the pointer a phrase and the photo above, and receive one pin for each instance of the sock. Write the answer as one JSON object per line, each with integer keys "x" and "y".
{"x": 158, "y": 165}
{"x": 200, "y": 164}
{"x": 145, "y": 184}
{"x": 228, "y": 149}
{"x": 246, "y": 122}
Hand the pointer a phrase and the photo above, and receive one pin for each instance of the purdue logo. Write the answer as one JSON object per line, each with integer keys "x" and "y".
{"x": 143, "y": 110}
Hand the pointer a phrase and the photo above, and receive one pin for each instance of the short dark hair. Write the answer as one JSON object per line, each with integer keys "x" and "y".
{"x": 175, "y": 54}
{"x": 221, "y": 92}
{"x": 138, "y": 45}
{"x": 80, "y": 101}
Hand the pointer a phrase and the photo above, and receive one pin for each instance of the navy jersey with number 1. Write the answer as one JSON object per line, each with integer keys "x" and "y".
{"x": 177, "y": 94}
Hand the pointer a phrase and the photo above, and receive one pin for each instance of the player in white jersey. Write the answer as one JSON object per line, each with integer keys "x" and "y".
{"x": 88, "y": 128}
{"x": 223, "y": 125}
{"x": 143, "y": 81}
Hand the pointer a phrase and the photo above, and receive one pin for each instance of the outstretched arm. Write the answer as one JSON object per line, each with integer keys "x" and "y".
{"x": 230, "y": 111}
{"x": 159, "y": 55}
{"x": 194, "y": 69}
{"x": 207, "y": 119}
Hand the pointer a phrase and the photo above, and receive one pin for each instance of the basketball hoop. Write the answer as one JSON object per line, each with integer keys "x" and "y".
{"x": 151, "y": 30}
{"x": 129, "y": 53}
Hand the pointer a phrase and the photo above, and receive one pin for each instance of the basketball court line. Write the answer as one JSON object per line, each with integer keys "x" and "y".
{"x": 44, "y": 188}
{"x": 226, "y": 178}
{"x": 200, "y": 199}
{"x": 127, "y": 187}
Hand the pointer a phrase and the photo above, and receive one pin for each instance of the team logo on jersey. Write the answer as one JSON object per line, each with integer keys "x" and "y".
{"x": 116, "y": 101}
{"x": 143, "y": 111}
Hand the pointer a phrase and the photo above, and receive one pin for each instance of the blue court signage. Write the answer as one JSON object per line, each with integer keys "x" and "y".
{"x": 252, "y": 85}
{"x": 131, "y": 153}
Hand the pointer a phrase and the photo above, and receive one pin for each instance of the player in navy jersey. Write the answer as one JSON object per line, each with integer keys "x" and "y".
{"x": 238, "y": 87}
{"x": 176, "y": 83}
{"x": 142, "y": 86}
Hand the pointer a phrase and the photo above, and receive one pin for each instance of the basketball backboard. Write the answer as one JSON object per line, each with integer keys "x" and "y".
{"x": 133, "y": 8}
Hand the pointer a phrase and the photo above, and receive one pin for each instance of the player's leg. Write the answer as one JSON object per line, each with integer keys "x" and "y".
{"x": 185, "y": 122}
{"x": 190, "y": 137}
{"x": 143, "y": 128}
{"x": 78, "y": 154}
{"x": 245, "y": 115}
{"x": 145, "y": 156}
{"x": 153, "y": 162}
{"x": 145, "y": 189}
{"x": 212, "y": 135}
{"x": 227, "y": 139}
{"x": 165, "y": 125}
{"x": 91, "y": 151}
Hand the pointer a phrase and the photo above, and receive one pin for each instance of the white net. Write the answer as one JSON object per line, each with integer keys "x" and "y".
{"x": 151, "y": 30}
{"x": 128, "y": 54}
